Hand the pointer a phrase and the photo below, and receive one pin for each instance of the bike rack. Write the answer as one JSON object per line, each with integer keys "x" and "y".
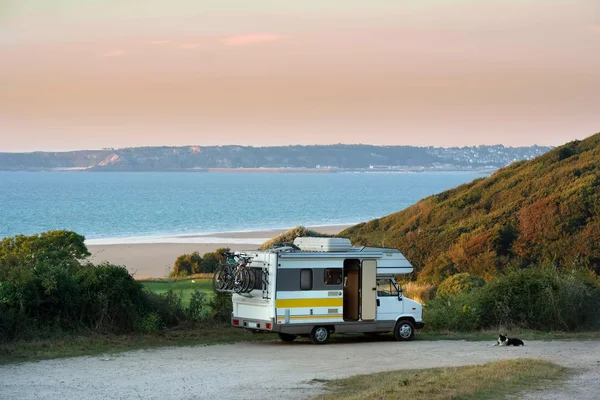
{"x": 265, "y": 283}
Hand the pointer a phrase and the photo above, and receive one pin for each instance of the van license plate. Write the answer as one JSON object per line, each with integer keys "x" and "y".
{"x": 252, "y": 325}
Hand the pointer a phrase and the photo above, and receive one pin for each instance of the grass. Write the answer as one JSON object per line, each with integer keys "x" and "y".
{"x": 494, "y": 380}
{"x": 185, "y": 287}
{"x": 93, "y": 344}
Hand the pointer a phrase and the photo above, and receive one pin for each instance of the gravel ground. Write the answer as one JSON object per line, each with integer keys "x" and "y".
{"x": 273, "y": 370}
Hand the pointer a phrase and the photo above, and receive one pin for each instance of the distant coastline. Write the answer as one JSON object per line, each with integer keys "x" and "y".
{"x": 271, "y": 170}
{"x": 275, "y": 159}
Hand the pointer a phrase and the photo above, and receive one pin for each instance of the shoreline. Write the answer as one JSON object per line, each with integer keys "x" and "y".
{"x": 154, "y": 259}
{"x": 235, "y": 237}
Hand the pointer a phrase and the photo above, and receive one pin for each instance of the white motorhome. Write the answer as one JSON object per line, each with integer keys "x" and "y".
{"x": 317, "y": 286}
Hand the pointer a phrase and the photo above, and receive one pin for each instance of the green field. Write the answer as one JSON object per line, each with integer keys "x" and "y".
{"x": 185, "y": 287}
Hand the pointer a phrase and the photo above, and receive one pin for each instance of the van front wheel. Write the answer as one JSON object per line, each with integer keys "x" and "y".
{"x": 404, "y": 330}
{"x": 319, "y": 335}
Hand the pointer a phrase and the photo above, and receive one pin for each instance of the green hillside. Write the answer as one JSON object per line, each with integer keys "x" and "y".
{"x": 545, "y": 211}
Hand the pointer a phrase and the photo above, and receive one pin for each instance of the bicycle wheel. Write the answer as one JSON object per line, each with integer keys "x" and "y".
{"x": 241, "y": 280}
{"x": 229, "y": 277}
{"x": 251, "y": 279}
{"x": 218, "y": 282}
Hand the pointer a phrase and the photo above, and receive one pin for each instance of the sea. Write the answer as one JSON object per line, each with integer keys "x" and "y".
{"x": 148, "y": 207}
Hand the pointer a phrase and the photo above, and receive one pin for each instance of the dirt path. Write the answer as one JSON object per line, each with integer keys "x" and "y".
{"x": 272, "y": 370}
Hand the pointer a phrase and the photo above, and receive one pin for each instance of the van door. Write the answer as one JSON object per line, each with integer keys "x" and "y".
{"x": 368, "y": 299}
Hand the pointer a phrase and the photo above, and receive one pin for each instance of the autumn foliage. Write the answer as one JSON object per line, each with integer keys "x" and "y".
{"x": 545, "y": 211}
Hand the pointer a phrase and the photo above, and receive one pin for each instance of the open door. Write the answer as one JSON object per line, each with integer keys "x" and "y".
{"x": 351, "y": 289}
{"x": 368, "y": 298}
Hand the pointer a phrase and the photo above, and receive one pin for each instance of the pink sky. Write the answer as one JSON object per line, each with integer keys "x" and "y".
{"x": 105, "y": 73}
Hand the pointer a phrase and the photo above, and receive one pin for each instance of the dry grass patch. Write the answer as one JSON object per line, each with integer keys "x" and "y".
{"x": 493, "y": 380}
{"x": 205, "y": 275}
{"x": 290, "y": 235}
{"x": 92, "y": 344}
{"x": 417, "y": 291}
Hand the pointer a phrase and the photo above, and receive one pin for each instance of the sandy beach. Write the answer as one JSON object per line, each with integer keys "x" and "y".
{"x": 153, "y": 257}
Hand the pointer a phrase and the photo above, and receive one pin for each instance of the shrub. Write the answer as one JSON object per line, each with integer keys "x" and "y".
{"x": 199, "y": 309}
{"x": 151, "y": 323}
{"x": 221, "y": 307}
{"x": 168, "y": 306}
{"x": 110, "y": 300}
{"x": 538, "y": 298}
{"x": 459, "y": 283}
{"x": 459, "y": 312}
{"x": 46, "y": 288}
{"x": 542, "y": 299}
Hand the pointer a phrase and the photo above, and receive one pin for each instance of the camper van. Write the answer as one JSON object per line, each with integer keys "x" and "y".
{"x": 317, "y": 286}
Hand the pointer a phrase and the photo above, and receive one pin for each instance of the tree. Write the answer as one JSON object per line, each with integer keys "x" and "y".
{"x": 210, "y": 262}
{"x": 187, "y": 264}
{"x": 22, "y": 254}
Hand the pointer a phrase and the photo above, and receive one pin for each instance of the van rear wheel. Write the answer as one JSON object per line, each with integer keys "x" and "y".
{"x": 319, "y": 335}
{"x": 286, "y": 337}
{"x": 404, "y": 330}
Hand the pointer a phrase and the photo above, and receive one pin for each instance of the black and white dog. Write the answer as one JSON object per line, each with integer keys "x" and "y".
{"x": 506, "y": 341}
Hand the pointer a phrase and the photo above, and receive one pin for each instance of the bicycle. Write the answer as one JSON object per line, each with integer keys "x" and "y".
{"x": 234, "y": 274}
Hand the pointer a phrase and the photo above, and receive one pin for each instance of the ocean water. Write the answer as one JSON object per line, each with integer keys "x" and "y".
{"x": 134, "y": 207}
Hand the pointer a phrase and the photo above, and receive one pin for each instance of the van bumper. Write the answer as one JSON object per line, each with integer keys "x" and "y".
{"x": 253, "y": 324}
{"x": 419, "y": 325}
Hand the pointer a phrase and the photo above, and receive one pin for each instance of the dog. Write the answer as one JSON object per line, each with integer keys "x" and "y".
{"x": 506, "y": 341}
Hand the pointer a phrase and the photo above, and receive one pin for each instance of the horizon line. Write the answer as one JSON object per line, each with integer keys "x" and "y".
{"x": 270, "y": 146}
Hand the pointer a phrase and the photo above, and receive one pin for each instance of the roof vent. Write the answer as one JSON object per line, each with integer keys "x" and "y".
{"x": 323, "y": 244}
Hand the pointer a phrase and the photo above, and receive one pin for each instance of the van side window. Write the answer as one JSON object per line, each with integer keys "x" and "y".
{"x": 333, "y": 276}
{"x": 385, "y": 287}
{"x": 306, "y": 279}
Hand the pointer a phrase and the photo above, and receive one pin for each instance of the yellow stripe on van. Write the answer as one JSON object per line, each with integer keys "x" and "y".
{"x": 308, "y": 303}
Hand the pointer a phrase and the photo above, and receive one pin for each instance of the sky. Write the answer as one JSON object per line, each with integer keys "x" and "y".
{"x": 89, "y": 74}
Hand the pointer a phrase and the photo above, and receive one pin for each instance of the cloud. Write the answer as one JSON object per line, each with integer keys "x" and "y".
{"x": 242, "y": 40}
{"x": 114, "y": 53}
{"x": 161, "y": 41}
{"x": 189, "y": 45}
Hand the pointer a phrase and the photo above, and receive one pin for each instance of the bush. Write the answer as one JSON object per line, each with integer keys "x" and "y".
{"x": 221, "y": 307}
{"x": 538, "y": 298}
{"x": 168, "y": 306}
{"x": 199, "y": 309}
{"x": 151, "y": 323}
{"x": 543, "y": 299}
{"x": 46, "y": 288}
{"x": 459, "y": 312}
{"x": 459, "y": 283}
